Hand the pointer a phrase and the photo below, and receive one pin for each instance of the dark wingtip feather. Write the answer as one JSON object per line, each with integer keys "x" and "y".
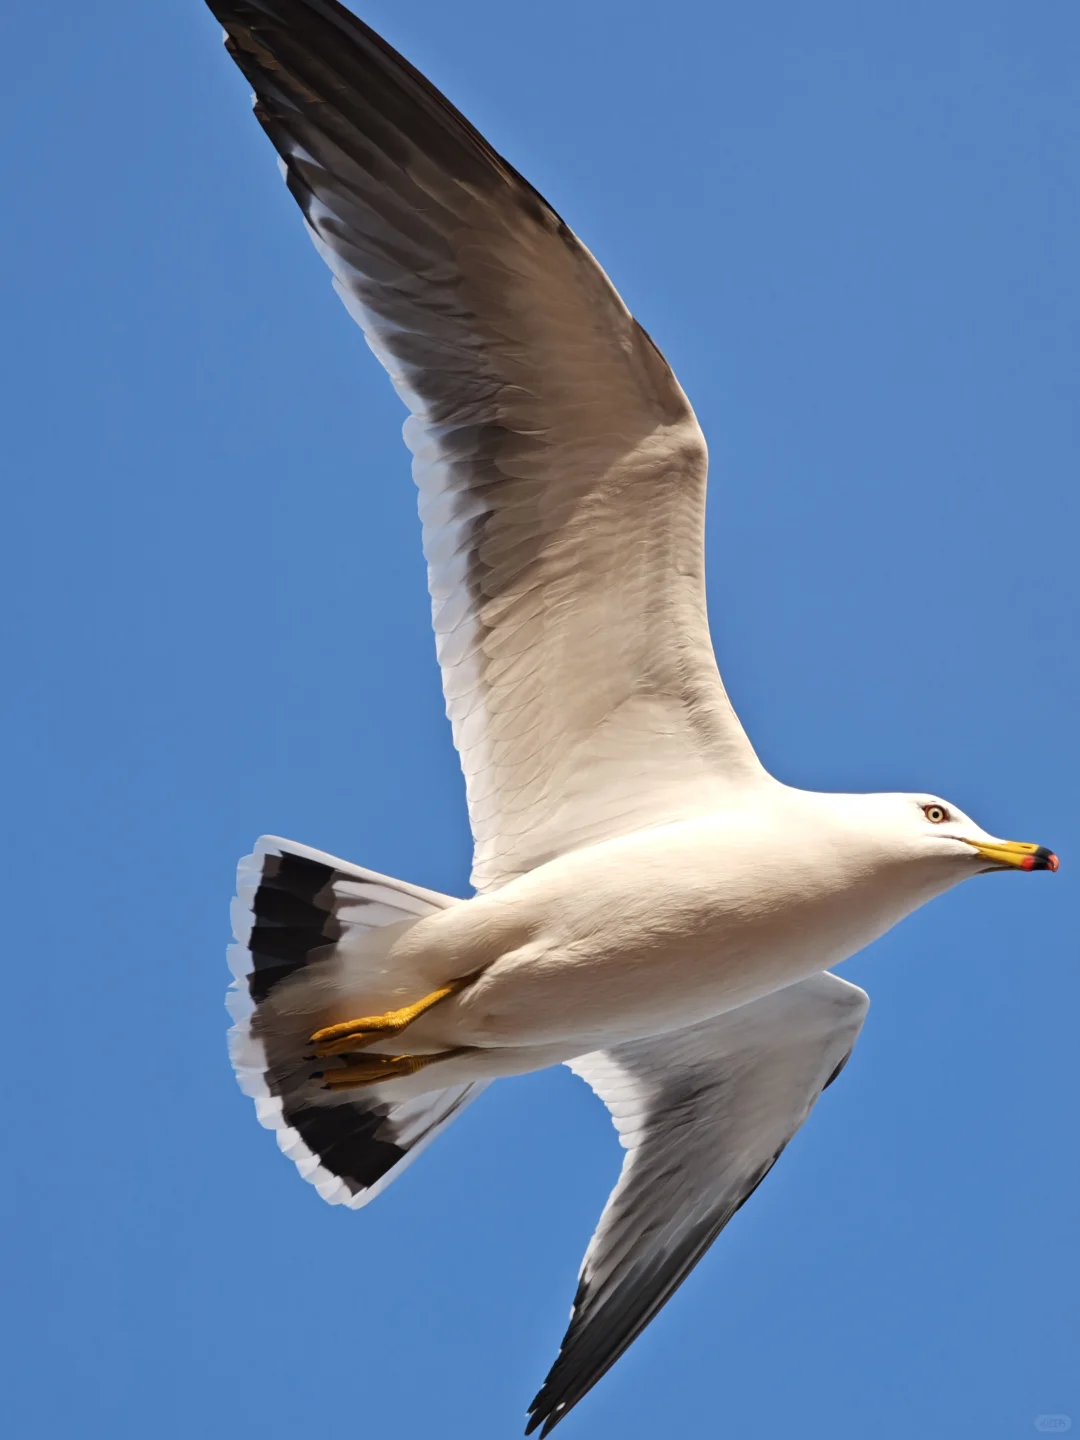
{"x": 276, "y": 42}
{"x": 548, "y": 1421}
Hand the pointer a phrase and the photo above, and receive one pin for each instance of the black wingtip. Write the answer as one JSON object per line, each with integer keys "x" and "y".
{"x": 273, "y": 42}
{"x": 547, "y": 1421}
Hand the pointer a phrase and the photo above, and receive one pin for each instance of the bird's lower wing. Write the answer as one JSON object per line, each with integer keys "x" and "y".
{"x": 703, "y": 1115}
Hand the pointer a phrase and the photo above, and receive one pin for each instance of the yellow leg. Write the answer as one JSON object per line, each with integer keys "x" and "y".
{"x": 374, "y": 1068}
{"x": 356, "y": 1034}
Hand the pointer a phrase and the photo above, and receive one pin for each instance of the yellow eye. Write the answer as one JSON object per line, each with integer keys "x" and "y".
{"x": 936, "y": 814}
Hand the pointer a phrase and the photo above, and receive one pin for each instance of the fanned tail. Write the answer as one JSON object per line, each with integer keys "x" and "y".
{"x": 307, "y": 928}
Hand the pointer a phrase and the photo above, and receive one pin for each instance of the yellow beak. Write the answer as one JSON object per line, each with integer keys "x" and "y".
{"x": 1016, "y": 854}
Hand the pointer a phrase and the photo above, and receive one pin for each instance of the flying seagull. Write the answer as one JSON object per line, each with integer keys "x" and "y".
{"x": 653, "y": 908}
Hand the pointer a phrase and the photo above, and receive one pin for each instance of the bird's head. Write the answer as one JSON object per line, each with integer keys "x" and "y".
{"x": 927, "y": 828}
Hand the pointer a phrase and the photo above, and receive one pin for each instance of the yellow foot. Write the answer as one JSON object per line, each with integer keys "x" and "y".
{"x": 374, "y": 1068}
{"x": 356, "y": 1034}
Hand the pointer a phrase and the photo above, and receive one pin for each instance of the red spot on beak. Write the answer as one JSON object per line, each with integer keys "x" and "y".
{"x": 1028, "y": 863}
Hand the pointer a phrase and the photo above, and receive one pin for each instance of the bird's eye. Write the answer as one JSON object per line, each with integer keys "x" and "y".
{"x": 936, "y": 814}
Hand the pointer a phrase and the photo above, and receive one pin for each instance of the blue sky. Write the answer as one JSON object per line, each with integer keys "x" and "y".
{"x": 854, "y": 231}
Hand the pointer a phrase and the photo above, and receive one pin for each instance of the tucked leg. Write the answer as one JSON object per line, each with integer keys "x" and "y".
{"x": 371, "y": 1069}
{"x": 356, "y": 1034}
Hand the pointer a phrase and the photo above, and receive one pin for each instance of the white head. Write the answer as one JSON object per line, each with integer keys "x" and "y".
{"x": 899, "y": 851}
{"x": 932, "y": 836}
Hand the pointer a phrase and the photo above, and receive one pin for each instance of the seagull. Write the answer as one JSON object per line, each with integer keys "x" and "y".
{"x": 652, "y": 908}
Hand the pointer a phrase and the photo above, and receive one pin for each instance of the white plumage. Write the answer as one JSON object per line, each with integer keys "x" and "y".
{"x": 653, "y": 907}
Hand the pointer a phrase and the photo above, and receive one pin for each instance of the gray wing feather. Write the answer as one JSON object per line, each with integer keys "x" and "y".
{"x": 560, "y": 467}
{"x": 703, "y": 1115}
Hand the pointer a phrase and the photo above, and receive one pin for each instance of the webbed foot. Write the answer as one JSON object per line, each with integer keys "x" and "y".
{"x": 357, "y": 1034}
{"x": 372, "y": 1069}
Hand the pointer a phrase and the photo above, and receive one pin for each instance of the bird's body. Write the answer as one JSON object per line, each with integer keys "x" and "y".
{"x": 658, "y": 929}
{"x": 653, "y": 907}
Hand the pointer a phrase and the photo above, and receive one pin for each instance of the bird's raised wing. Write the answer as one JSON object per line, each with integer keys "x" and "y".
{"x": 560, "y": 466}
{"x": 703, "y": 1114}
